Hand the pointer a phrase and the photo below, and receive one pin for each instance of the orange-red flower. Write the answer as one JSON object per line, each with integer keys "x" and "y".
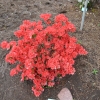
{"x": 43, "y": 52}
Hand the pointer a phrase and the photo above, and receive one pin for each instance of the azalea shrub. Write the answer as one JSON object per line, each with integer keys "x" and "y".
{"x": 43, "y": 51}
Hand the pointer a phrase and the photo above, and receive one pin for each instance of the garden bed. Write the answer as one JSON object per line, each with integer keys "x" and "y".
{"x": 84, "y": 84}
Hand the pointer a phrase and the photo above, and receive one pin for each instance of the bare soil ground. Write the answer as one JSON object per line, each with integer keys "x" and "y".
{"x": 84, "y": 85}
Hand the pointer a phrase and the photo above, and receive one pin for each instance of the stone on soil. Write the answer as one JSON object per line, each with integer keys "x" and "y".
{"x": 65, "y": 94}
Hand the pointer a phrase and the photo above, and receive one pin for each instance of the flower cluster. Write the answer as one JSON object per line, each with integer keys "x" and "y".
{"x": 43, "y": 51}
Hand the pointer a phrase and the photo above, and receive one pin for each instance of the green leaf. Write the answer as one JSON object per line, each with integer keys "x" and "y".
{"x": 33, "y": 36}
{"x": 79, "y": 42}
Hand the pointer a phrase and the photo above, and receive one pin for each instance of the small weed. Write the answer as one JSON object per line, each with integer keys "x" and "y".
{"x": 95, "y": 71}
{"x": 99, "y": 24}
